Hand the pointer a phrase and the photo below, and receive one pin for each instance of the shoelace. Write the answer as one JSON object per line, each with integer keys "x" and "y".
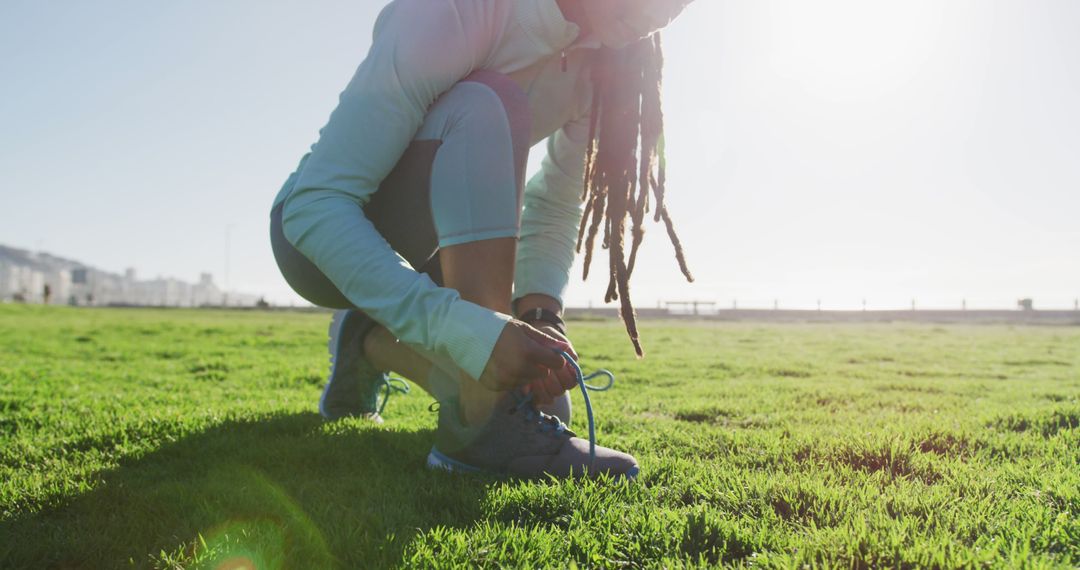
{"x": 391, "y": 386}
{"x": 582, "y": 381}
{"x": 553, "y": 423}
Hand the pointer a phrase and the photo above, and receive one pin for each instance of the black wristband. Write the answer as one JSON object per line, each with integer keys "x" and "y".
{"x": 545, "y": 316}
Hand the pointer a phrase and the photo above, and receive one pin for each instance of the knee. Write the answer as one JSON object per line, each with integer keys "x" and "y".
{"x": 477, "y": 102}
{"x": 513, "y": 99}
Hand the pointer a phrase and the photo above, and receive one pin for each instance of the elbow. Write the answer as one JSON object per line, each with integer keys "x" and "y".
{"x": 307, "y": 208}
{"x": 294, "y": 211}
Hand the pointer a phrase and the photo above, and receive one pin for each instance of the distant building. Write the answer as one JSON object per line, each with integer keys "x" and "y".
{"x": 24, "y": 276}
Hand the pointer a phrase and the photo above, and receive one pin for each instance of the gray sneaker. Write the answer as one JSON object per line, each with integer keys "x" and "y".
{"x": 519, "y": 441}
{"x": 352, "y": 390}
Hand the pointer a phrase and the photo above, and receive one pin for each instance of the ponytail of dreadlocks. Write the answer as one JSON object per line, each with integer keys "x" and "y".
{"x": 624, "y": 162}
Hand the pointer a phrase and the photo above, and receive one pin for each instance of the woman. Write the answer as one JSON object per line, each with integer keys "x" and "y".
{"x": 411, "y": 214}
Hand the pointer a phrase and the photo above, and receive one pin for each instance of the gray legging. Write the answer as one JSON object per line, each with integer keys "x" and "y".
{"x": 460, "y": 180}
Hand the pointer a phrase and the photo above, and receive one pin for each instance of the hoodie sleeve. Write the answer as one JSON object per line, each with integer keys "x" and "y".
{"x": 552, "y": 214}
{"x": 420, "y": 49}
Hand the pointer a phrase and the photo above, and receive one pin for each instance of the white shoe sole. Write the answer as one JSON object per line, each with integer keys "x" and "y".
{"x": 436, "y": 460}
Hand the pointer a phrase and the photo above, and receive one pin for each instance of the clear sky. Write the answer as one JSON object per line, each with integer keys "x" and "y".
{"x": 834, "y": 150}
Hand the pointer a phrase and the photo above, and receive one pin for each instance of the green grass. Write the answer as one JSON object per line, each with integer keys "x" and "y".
{"x": 178, "y": 439}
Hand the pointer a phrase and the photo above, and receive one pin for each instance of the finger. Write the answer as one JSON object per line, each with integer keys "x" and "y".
{"x": 547, "y": 340}
{"x": 567, "y": 376}
{"x": 541, "y": 395}
{"x": 538, "y": 353}
{"x": 563, "y": 376}
{"x": 554, "y": 333}
{"x": 530, "y": 372}
{"x": 554, "y": 386}
{"x": 536, "y": 390}
{"x": 559, "y": 336}
{"x": 546, "y": 357}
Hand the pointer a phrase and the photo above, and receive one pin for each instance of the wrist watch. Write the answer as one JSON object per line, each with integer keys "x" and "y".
{"x": 542, "y": 315}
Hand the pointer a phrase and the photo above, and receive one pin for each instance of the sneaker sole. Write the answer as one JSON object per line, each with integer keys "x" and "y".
{"x": 436, "y": 460}
{"x": 336, "y": 323}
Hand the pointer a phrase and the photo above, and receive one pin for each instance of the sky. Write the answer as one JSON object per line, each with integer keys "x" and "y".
{"x": 836, "y": 150}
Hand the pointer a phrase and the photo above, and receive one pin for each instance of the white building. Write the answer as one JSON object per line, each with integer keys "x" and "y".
{"x": 24, "y": 275}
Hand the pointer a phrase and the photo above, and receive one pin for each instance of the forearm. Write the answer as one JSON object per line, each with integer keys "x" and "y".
{"x": 549, "y": 222}
{"x": 545, "y": 252}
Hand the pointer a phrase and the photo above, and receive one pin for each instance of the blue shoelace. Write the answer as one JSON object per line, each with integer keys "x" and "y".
{"x": 391, "y": 386}
{"x": 552, "y": 423}
{"x": 583, "y": 383}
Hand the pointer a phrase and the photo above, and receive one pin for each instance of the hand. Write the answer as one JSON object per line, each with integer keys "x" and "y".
{"x": 556, "y": 382}
{"x": 522, "y": 355}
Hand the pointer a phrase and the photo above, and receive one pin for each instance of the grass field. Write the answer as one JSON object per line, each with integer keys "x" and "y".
{"x": 177, "y": 439}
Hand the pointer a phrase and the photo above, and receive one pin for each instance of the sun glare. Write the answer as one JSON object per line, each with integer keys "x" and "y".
{"x": 847, "y": 50}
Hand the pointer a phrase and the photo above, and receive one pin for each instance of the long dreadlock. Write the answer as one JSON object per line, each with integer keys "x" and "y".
{"x": 624, "y": 161}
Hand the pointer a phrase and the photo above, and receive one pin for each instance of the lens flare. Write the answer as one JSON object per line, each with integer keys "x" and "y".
{"x": 262, "y": 527}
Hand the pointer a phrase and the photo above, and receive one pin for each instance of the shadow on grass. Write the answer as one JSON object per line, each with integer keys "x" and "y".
{"x": 278, "y": 493}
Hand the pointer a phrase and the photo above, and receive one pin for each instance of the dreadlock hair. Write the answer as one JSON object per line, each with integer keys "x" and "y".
{"x": 624, "y": 161}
